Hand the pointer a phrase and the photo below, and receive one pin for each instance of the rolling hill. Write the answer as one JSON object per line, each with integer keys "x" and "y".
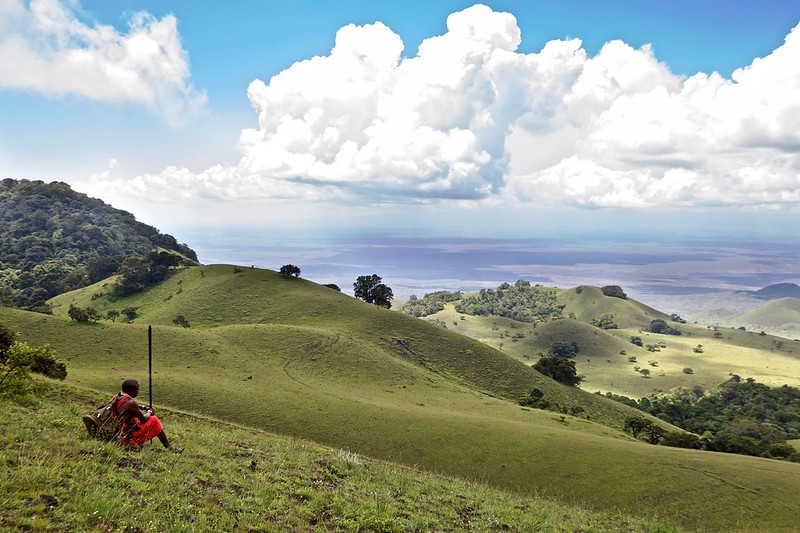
{"x": 778, "y": 317}
{"x": 608, "y": 359}
{"x": 296, "y": 358}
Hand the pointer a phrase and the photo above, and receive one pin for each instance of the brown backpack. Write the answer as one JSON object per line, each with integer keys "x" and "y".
{"x": 101, "y": 424}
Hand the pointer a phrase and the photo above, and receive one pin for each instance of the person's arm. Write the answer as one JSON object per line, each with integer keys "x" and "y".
{"x": 134, "y": 410}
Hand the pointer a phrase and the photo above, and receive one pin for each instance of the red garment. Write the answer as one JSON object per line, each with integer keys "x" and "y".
{"x": 150, "y": 429}
{"x": 133, "y": 431}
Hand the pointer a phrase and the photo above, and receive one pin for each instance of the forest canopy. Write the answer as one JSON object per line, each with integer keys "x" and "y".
{"x": 54, "y": 240}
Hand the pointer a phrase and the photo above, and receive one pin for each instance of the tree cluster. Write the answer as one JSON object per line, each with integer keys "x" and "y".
{"x": 739, "y": 416}
{"x": 661, "y": 327}
{"x": 373, "y": 291}
{"x": 290, "y": 270}
{"x": 429, "y": 304}
{"x": 559, "y": 369}
{"x": 521, "y": 302}
{"x": 54, "y": 240}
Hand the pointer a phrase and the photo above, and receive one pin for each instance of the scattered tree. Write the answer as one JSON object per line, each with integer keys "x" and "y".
{"x": 112, "y": 315}
{"x": 371, "y": 290}
{"x": 290, "y": 270}
{"x": 688, "y": 370}
{"x": 130, "y": 312}
{"x": 87, "y": 314}
{"x": 637, "y": 341}
{"x": 615, "y": 291}
{"x": 563, "y": 349}
{"x": 661, "y": 327}
{"x": 559, "y": 369}
{"x": 333, "y": 286}
{"x": 180, "y": 320}
{"x": 605, "y": 322}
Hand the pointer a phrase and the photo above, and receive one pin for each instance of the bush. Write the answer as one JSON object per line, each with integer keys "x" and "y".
{"x": 22, "y": 359}
{"x": 688, "y": 370}
{"x": 637, "y": 341}
{"x": 180, "y": 320}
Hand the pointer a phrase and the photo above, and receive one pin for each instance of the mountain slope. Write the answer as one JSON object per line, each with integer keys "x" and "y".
{"x": 293, "y": 357}
{"x": 53, "y": 239}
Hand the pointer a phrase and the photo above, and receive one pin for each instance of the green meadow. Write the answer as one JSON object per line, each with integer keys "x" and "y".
{"x": 233, "y": 478}
{"x": 291, "y": 357}
{"x": 605, "y": 355}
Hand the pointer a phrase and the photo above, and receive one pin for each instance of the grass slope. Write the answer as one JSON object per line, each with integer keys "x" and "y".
{"x": 293, "y": 357}
{"x": 235, "y": 478}
{"x": 768, "y": 359}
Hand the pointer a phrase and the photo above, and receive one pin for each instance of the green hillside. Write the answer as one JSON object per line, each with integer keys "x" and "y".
{"x": 296, "y": 358}
{"x": 605, "y": 355}
{"x": 53, "y": 240}
{"x": 235, "y": 478}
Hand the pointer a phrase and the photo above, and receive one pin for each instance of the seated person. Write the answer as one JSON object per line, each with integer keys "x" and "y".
{"x": 137, "y": 427}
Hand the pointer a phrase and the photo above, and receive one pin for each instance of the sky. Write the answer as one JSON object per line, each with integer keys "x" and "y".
{"x": 257, "y": 129}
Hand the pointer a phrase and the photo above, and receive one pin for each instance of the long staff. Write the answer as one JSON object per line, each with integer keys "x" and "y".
{"x": 150, "y": 360}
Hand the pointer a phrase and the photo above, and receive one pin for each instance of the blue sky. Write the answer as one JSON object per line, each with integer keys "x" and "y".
{"x": 313, "y": 118}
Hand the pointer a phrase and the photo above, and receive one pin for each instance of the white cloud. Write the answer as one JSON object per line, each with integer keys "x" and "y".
{"x": 45, "y": 48}
{"x": 469, "y": 118}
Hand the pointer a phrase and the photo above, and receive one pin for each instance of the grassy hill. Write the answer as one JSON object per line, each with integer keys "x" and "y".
{"x": 299, "y": 359}
{"x": 778, "y": 317}
{"x": 604, "y": 357}
{"x": 232, "y": 477}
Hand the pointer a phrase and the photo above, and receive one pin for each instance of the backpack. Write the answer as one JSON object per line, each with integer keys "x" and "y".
{"x": 101, "y": 424}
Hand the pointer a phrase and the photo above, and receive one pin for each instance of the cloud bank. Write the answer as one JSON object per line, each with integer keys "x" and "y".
{"x": 470, "y": 118}
{"x": 45, "y": 48}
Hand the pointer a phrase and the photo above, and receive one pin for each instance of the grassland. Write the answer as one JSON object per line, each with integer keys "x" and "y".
{"x": 233, "y": 478}
{"x": 605, "y": 355}
{"x": 295, "y": 358}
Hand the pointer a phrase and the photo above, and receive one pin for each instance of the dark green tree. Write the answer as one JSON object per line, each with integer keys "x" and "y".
{"x": 559, "y": 369}
{"x": 615, "y": 291}
{"x": 661, "y": 327}
{"x": 563, "y": 349}
{"x": 290, "y": 270}
{"x": 371, "y": 290}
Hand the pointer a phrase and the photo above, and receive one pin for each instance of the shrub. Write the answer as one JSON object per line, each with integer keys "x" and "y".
{"x": 637, "y": 341}
{"x": 180, "y": 320}
{"x": 688, "y": 370}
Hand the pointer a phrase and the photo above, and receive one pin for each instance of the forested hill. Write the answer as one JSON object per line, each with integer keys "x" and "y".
{"x": 53, "y": 240}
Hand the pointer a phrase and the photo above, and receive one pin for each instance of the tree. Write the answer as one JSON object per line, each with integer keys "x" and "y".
{"x": 180, "y": 320}
{"x": 290, "y": 270}
{"x": 371, "y": 290}
{"x": 112, "y": 315}
{"x": 636, "y": 424}
{"x": 333, "y": 286}
{"x": 615, "y": 291}
{"x": 563, "y": 349}
{"x": 23, "y": 359}
{"x": 661, "y": 327}
{"x": 559, "y": 369}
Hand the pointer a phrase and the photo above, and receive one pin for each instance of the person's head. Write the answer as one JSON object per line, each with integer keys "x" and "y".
{"x": 130, "y": 387}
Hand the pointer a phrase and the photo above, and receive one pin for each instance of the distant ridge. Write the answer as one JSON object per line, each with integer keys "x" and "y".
{"x": 779, "y": 290}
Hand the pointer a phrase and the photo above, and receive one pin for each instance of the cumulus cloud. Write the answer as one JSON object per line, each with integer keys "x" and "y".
{"x": 470, "y": 118}
{"x": 45, "y": 48}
